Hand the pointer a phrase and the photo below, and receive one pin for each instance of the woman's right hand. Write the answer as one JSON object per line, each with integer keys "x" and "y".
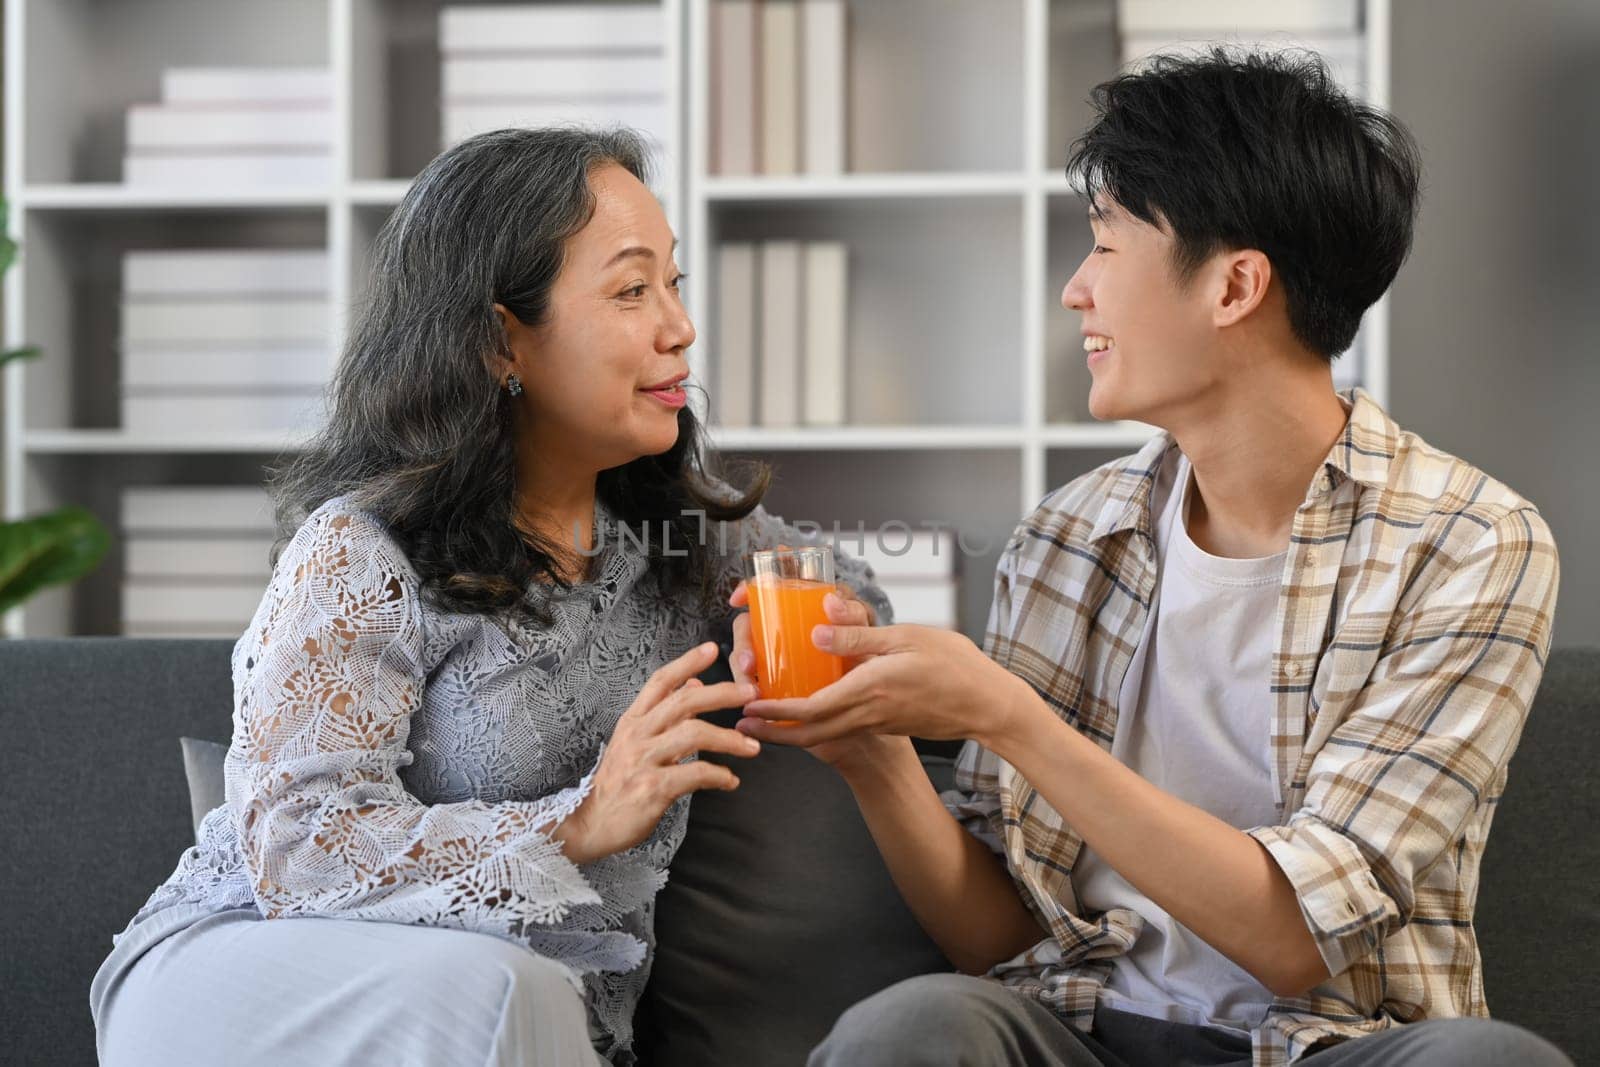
{"x": 640, "y": 774}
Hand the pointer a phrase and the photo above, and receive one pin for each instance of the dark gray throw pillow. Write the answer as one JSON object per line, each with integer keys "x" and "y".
{"x": 202, "y": 766}
{"x": 778, "y": 915}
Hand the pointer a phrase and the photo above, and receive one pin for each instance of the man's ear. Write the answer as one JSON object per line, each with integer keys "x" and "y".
{"x": 1247, "y": 274}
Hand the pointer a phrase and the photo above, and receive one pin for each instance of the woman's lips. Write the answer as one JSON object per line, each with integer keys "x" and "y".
{"x": 675, "y": 397}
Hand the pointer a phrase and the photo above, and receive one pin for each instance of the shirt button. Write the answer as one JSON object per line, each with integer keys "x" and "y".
{"x": 1291, "y": 670}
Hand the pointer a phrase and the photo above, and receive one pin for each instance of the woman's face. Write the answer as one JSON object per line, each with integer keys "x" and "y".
{"x": 603, "y": 377}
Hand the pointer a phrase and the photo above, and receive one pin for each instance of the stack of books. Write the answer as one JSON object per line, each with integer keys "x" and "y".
{"x": 916, "y": 569}
{"x": 532, "y": 65}
{"x": 779, "y": 76}
{"x": 234, "y": 126}
{"x": 782, "y": 333}
{"x": 1329, "y": 27}
{"x": 195, "y": 559}
{"x": 215, "y": 341}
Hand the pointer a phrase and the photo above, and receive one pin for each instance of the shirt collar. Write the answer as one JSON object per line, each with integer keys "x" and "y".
{"x": 1363, "y": 454}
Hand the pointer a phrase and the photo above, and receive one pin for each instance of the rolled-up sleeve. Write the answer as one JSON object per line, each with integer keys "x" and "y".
{"x": 975, "y": 800}
{"x": 1426, "y": 743}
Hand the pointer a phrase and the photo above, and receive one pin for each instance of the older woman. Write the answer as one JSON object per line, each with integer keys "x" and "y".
{"x": 466, "y": 708}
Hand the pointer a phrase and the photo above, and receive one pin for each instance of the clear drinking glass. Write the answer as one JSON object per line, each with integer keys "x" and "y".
{"x": 786, "y": 590}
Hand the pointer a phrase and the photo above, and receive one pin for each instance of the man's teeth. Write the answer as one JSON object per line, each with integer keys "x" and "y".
{"x": 1096, "y": 344}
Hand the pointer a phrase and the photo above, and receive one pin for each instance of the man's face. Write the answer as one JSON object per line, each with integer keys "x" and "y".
{"x": 1162, "y": 338}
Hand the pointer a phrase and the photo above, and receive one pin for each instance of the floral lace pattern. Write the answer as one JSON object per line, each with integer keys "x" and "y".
{"x": 394, "y": 762}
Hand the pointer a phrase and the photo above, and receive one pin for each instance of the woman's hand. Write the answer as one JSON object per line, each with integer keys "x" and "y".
{"x": 640, "y": 774}
{"x": 912, "y": 681}
{"x": 843, "y": 608}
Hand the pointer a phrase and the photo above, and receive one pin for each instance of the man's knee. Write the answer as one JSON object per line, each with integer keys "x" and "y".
{"x": 923, "y": 1020}
{"x": 1457, "y": 1043}
{"x": 1487, "y": 1043}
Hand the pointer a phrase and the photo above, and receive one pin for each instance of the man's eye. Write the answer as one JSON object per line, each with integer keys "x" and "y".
{"x": 636, "y": 291}
{"x": 1098, "y": 249}
{"x": 677, "y": 283}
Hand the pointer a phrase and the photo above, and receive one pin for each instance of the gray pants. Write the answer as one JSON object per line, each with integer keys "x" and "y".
{"x": 235, "y": 988}
{"x": 954, "y": 1020}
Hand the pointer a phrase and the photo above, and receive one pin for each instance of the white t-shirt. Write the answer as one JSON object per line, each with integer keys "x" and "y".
{"x": 1194, "y": 718}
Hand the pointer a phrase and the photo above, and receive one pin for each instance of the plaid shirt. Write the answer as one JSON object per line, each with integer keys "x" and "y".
{"x": 1412, "y": 625}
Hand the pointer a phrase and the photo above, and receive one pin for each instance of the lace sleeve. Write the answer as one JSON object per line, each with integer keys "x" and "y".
{"x": 325, "y": 684}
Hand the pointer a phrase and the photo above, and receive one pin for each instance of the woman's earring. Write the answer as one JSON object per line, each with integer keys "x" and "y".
{"x": 514, "y": 385}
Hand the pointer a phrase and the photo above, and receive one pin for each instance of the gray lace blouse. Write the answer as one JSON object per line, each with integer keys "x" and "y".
{"x": 393, "y": 762}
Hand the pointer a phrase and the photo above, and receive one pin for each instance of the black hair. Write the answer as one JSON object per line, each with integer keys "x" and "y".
{"x": 1230, "y": 149}
{"x": 420, "y": 433}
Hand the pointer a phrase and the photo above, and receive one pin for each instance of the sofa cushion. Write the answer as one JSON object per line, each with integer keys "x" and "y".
{"x": 92, "y": 787}
{"x": 1538, "y": 918}
{"x": 777, "y": 916}
{"x": 202, "y": 768}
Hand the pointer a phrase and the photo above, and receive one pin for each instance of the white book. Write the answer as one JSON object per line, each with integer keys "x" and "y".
{"x": 277, "y": 411}
{"x": 462, "y": 120}
{"x": 551, "y": 27}
{"x": 226, "y": 366}
{"x": 736, "y": 80}
{"x": 234, "y": 271}
{"x": 559, "y": 77}
{"x": 781, "y": 322}
{"x": 221, "y": 126}
{"x": 239, "y": 85}
{"x": 737, "y": 325}
{"x": 823, "y": 48}
{"x": 166, "y": 603}
{"x": 1160, "y": 16}
{"x": 827, "y": 328}
{"x": 248, "y": 556}
{"x": 227, "y": 170}
{"x": 171, "y": 508}
{"x": 780, "y": 87}
{"x": 1344, "y": 53}
{"x": 898, "y": 554}
{"x": 147, "y": 319}
{"x": 923, "y": 603}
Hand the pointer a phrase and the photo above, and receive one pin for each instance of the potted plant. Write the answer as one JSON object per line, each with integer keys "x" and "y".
{"x": 60, "y": 546}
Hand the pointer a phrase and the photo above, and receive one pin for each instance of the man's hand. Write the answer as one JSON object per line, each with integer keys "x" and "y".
{"x": 843, "y": 608}
{"x": 908, "y": 681}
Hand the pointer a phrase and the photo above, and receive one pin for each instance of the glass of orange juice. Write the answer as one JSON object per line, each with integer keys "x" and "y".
{"x": 786, "y": 590}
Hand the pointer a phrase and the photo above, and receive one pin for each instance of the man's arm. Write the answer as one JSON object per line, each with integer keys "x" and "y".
{"x": 1386, "y": 796}
{"x": 1214, "y": 879}
{"x": 957, "y": 888}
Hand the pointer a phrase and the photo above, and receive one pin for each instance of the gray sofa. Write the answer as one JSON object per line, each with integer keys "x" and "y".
{"x": 771, "y": 924}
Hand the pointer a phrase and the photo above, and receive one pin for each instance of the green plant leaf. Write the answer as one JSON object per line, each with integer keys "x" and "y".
{"x": 50, "y": 549}
{"x": 8, "y": 251}
{"x": 19, "y": 353}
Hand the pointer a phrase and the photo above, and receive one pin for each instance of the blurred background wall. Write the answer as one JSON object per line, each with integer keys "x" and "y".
{"x": 1495, "y": 334}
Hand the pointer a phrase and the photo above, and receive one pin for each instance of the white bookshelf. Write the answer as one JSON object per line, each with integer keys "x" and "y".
{"x": 966, "y": 380}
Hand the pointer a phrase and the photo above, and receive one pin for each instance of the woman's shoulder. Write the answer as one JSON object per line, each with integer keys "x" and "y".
{"x": 338, "y": 536}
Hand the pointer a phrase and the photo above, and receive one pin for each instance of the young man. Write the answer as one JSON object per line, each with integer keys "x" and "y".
{"x": 1249, "y": 695}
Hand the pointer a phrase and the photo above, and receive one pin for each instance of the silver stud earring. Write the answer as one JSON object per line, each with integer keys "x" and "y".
{"x": 514, "y": 385}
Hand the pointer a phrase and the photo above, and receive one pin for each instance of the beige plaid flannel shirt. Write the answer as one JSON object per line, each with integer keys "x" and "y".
{"x": 1412, "y": 627}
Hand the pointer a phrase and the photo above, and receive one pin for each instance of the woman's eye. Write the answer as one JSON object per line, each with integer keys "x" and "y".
{"x": 677, "y": 283}
{"x": 1100, "y": 249}
{"x": 637, "y": 291}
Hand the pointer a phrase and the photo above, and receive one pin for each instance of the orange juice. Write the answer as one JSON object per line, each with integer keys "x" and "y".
{"x": 782, "y": 614}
